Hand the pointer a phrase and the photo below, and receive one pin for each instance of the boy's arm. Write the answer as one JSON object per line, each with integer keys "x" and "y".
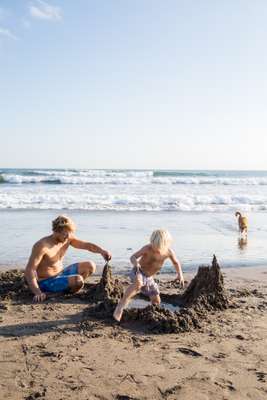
{"x": 138, "y": 254}
{"x": 30, "y": 272}
{"x": 80, "y": 244}
{"x": 177, "y": 265}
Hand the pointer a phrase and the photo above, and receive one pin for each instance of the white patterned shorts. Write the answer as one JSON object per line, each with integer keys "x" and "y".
{"x": 149, "y": 286}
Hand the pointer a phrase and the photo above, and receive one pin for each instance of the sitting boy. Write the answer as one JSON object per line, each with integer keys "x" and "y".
{"x": 152, "y": 257}
{"x": 45, "y": 273}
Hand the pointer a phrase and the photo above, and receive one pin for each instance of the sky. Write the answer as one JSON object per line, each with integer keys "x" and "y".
{"x": 170, "y": 84}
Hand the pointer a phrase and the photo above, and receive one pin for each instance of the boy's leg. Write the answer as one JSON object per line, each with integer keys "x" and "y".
{"x": 155, "y": 300}
{"x": 74, "y": 275}
{"x": 75, "y": 283}
{"x": 86, "y": 268}
{"x": 62, "y": 284}
{"x": 130, "y": 292}
{"x": 152, "y": 291}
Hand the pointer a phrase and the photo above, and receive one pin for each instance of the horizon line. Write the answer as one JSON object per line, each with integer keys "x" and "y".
{"x": 136, "y": 169}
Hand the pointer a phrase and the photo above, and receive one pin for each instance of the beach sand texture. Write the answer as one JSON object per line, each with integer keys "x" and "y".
{"x": 54, "y": 351}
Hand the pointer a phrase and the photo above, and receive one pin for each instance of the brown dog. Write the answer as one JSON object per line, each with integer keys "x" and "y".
{"x": 242, "y": 223}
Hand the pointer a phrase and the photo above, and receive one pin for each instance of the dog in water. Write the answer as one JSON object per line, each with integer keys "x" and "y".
{"x": 242, "y": 223}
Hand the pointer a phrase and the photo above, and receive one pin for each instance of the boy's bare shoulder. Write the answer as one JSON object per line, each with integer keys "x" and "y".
{"x": 144, "y": 250}
{"x": 171, "y": 253}
{"x": 41, "y": 244}
{"x": 147, "y": 248}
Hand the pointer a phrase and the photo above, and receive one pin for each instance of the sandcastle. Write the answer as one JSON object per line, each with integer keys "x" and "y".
{"x": 205, "y": 292}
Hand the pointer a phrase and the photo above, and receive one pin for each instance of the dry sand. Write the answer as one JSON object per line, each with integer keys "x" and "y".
{"x": 46, "y": 354}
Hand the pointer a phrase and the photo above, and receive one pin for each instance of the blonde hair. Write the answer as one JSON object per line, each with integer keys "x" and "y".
{"x": 161, "y": 239}
{"x": 63, "y": 222}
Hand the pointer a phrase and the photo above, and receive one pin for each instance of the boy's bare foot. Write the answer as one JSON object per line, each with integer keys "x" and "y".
{"x": 118, "y": 313}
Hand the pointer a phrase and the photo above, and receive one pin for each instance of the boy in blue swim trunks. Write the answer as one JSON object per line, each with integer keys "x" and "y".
{"x": 44, "y": 272}
{"x": 146, "y": 263}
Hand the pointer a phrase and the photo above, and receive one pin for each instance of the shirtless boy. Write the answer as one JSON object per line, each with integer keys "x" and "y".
{"x": 152, "y": 257}
{"x": 44, "y": 271}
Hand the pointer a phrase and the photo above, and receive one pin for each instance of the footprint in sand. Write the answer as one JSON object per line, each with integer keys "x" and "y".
{"x": 223, "y": 383}
{"x": 189, "y": 352}
{"x": 37, "y": 395}
{"x": 261, "y": 376}
{"x": 219, "y": 355}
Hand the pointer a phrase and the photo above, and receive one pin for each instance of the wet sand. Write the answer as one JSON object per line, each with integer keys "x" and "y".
{"x": 54, "y": 350}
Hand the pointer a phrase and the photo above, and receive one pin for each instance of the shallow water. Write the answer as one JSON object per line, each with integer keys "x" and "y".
{"x": 196, "y": 236}
{"x": 141, "y": 303}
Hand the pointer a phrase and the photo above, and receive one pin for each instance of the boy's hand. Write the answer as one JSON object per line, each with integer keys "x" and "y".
{"x": 39, "y": 297}
{"x": 180, "y": 279}
{"x": 106, "y": 255}
{"x": 138, "y": 266}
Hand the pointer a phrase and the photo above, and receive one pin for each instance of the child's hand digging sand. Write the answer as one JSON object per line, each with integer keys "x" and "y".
{"x": 152, "y": 257}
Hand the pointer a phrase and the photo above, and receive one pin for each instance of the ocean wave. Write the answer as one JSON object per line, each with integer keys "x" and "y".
{"x": 71, "y": 180}
{"x": 104, "y": 173}
{"x": 51, "y": 181}
{"x": 97, "y": 173}
{"x": 174, "y": 173}
{"x": 131, "y": 202}
{"x": 24, "y": 179}
{"x": 112, "y": 179}
{"x": 212, "y": 181}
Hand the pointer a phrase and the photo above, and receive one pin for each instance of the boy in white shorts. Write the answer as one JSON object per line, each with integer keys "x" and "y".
{"x": 146, "y": 263}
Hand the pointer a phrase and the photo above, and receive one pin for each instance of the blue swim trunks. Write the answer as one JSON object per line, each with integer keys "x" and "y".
{"x": 60, "y": 282}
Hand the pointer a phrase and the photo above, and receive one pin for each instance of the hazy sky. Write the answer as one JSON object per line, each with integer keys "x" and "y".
{"x": 133, "y": 84}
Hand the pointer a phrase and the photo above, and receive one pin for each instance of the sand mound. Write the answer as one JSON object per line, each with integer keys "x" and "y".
{"x": 206, "y": 292}
{"x": 12, "y": 285}
{"x": 160, "y": 320}
{"x": 108, "y": 289}
{"x": 104, "y": 295}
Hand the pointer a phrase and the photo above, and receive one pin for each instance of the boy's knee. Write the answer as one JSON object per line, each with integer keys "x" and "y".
{"x": 138, "y": 285}
{"x": 156, "y": 300}
{"x": 86, "y": 268}
{"x": 91, "y": 267}
{"x": 77, "y": 282}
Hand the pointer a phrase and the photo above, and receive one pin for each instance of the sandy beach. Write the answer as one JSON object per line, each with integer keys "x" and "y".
{"x": 133, "y": 163}
{"x": 54, "y": 351}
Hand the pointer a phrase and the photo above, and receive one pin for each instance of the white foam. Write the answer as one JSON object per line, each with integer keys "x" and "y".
{"x": 98, "y": 177}
{"x": 53, "y": 198}
{"x": 131, "y": 190}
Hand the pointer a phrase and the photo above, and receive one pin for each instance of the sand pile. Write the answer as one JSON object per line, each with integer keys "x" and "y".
{"x": 104, "y": 295}
{"x": 159, "y": 320}
{"x": 12, "y": 285}
{"x": 108, "y": 288}
{"x": 205, "y": 293}
{"x": 206, "y": 290}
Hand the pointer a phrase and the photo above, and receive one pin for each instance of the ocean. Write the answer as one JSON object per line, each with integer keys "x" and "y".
{"x": 118, "y": 209}
{"x": 133, "y": 190}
